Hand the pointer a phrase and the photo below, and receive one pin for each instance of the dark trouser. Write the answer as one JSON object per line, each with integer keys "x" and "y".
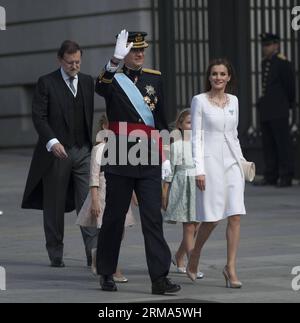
{"x": 277, "y": 149}
{"x": 118, "y": 196}
{"x": 75, "y": 168}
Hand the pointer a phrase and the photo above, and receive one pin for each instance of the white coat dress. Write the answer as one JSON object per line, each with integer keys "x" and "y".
{"x": 217, "y": 154}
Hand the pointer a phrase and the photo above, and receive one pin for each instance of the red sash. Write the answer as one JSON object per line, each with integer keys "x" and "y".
{"x": 149, "y": 132}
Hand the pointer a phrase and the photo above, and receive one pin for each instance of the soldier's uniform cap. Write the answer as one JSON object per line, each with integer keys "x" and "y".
{"x": 269, "y": 38}
{"x": 138, "y": 39}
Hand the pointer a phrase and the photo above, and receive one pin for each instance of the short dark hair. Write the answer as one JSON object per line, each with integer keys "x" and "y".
{"x": 69, "y": 47}
{"x": 231, "y": 85}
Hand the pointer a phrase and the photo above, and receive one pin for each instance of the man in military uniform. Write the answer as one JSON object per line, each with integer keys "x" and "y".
{"x": 278, "y": 96}
{"x": 133, "y": 96}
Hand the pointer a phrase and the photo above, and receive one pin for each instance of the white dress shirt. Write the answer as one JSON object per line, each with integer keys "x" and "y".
{"x": 66, "y": 77}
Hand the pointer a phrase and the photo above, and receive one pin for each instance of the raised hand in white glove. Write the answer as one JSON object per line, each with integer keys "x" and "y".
{"x": 121, "y": 49}
{"x": 166, "y": 169}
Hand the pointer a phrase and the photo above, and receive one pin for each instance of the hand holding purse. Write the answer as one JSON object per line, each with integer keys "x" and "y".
{"x": 248, "y": 169}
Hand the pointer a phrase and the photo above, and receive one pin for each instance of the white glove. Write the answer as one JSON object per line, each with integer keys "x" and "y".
{"x": 166, "y": 169}
{"x": 121, "y": 49}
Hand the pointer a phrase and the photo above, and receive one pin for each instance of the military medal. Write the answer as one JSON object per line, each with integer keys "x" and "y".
{"x": 150, "y": 99}
{"x": 147, "y": 99}
{"x": 150, "y": 90}
{"x": 152, "y": 106}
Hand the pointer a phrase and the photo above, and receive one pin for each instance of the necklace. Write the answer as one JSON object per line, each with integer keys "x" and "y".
{"x": 219, "y": 103}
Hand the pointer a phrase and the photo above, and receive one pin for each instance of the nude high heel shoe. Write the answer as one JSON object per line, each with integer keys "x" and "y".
{"x": 190, "y": 274}
{"x": 229, "y": 282}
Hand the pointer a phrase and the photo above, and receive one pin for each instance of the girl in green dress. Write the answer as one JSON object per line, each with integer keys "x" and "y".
{"x": 179, "y": 197}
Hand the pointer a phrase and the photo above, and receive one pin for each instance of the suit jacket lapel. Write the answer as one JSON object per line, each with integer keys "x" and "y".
{"x": 62, "y": 98}
{"x": 85, "y": 92}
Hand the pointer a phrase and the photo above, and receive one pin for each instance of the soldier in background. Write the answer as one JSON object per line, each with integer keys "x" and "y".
{"x": 278, "y": 96}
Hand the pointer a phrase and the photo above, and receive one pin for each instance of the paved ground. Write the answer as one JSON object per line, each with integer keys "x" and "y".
{"x": 270, "y": 248}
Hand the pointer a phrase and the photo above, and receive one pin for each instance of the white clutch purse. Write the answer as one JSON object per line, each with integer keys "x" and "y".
{"x": 249, "y": 170}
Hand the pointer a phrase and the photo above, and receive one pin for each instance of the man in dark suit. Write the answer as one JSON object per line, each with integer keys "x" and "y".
{"x": 278, "y": 97}
{"x": 58, "y": 179}
{"x": 134, "y": 100}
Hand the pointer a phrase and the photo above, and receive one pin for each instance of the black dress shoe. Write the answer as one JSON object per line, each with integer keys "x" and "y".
{"x": 57, "y": 262}
{"x": 265, "y": 182}
{"x": 107, "y": 283}
{"x": 164, "y": 285}
{"x": 284, "y": 182}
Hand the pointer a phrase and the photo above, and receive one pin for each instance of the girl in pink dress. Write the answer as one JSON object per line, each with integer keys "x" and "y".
{"x": 93, "y": 207}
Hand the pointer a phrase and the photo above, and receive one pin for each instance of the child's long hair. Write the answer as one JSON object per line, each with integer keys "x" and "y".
{"x": 178, "y": 123}
{"x": 101, "y": 123}
{"x": 181, "y": 116}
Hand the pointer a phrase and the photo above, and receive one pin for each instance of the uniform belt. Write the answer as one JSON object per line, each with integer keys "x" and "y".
{"x": 184, "y": 167}
{"x": 125, "y": 129}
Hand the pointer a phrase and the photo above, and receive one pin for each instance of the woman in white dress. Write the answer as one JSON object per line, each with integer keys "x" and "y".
{"x": 219, "y": 176}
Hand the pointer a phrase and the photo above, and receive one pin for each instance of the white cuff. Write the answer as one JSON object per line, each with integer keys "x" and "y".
{"x": 50, "y": 143}
{"x": 110, "y": 68}
{"x": 166, "y": 169}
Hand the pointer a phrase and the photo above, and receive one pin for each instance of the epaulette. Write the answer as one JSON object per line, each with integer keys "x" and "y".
{"x": 281, "y": 56}
{"x": 148, "y": 70}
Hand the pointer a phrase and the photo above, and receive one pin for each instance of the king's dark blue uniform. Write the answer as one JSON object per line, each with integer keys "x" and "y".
{"x": 120, "y": 109}
{"x": 121, "y": 180}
